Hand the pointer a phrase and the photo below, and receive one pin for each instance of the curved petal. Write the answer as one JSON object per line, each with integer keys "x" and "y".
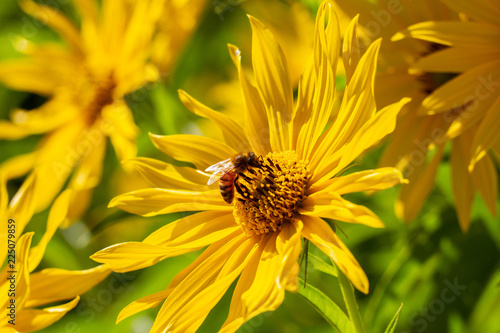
{"x": 320, "y": 234}
{"x": 474, "y": 86}
{"x": 454, "y": 60}
{"x": 157, "y": 298}
{"x": 21, "y": 277}
{"x": 182, "y": 236}
{"x": 131, "y": 256}
{"x": 32, "y": 320}
{"x": 57, "y": 215}
{"x": 273, "y": 81}
{"x": 18, "y": 166}
{"x": 55, "y": 20}
{"x": 479, "y": 10}
{"x": 165, "y": 175}
{"x": 333, "y": 206}
{"x": 144, "y": 303}
{"x": 487, "y": 133}
{"x": 53, "y": 284}
{"x": 272, "y": 269}
{"x": 256, "y": 123}
{"x": 193, "y": 298}
{"x": 312, "y": 115}
{"x": 350, "y": 49}
{"x": 376, "y": 128}
{"x": 463, "y": 188}
{"x": 231, "y": 131}
{"x": 453, "y": 33}
{"x": 368, "y": 180}
{"x": 421, "y": 181}
{"x": 22, "y": 205}
{"x": 155, "y": 201}
{"x": 485, "y": 180}
{"x": 194, "y": 228}
{"x": 199, "y": 150}
{"x": 358, "y": 106}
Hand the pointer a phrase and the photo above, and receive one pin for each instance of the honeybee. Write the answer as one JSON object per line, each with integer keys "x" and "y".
{"x": 227, "y": 171}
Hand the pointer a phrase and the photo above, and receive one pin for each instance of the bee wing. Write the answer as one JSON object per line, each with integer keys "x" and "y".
{"x": 219, "y": 169}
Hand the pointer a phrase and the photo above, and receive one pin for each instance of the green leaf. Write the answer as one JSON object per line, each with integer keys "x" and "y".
{"x": 394, "y": 321}
{"x": 319, "y": 264}
{"x": 326, "y": 307}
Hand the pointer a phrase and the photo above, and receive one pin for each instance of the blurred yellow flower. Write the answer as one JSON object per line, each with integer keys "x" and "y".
{"x": 23, "y": 292}
{"x": 179, "y": 20}
{"x": 85, "y": 82}
{"x": 470, "y": 102}
{"x": 292, "y": 181}
{"x": 441, "y": 108}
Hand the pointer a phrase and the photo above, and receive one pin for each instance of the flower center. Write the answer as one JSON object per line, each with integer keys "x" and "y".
{"x": 268, "y": 196}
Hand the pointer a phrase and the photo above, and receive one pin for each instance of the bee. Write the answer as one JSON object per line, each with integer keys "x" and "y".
{"x": 228, "y": 171}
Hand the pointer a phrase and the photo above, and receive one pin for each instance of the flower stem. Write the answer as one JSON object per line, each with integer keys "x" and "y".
{"x": 350, "y": 302}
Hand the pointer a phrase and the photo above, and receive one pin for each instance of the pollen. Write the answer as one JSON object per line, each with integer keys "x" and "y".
{"x": 268, "y": 196}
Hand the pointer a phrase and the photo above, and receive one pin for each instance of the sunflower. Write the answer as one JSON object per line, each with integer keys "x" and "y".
{"x": 173, "y": 31}
{"x": 293, "y": 181}
{"x": 23, "y": 291}
{"x": 435, "y": 116}
{"x": 85, "y": 82}
{"x": 469, "y": 103}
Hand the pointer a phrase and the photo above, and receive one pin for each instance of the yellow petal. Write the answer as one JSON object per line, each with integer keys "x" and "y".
{"x": 166, "y": 175}
{"x": 485, "y": 180}
{"x": 88, "y": 9}
{"x": 273, "y": 81}
{"x": 54, "y": 284}
{"x": 313, "y": 115}
{"x": 487, "y": 133}
{"x": 144, "y": 303}
{"x": 421, "y": 181}
{"x": 201, "y": 228}
{"x": 320, "y": 234}
{"x": 368, "y": 180}
{"x": 333, "y": 206}
{"x": 55, "y": 20}
{"x": 155, "y": 201}
{"x": 182, "y": 236}
{"x": 31, "y": 320}
{"x": 193, "y": 298}
{"x": 232, "y": 132}
{"x": 479, "y": 10}
{"x": 461, "y": 181}
{"x": 200, "y": 151}
{"x": 26, "y": 75}
{"x": 455, "y": 60}
{"x": 376, "y": 128}
{"x": 350, "y": 49}
{"x": 130, "y": 256}
{"x": 57, "y": 155}
{"x": 453, "y": 33}
{"x": 21, "y": 276}
{"x": 256, "y": 123}
{"x": 57, "y": 215}
{"x": 470, "y": 89}
{"x": 358, "y": 106}
{"x": 22, "y": 205}
{"x": 157, "y": 298}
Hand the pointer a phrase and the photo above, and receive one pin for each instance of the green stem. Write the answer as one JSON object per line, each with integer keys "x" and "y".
{"x": 350, "y": 302}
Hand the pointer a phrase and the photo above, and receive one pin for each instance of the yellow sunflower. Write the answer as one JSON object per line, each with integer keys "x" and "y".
{"x": 469, "y": 103}
{"x": 85, "y": 81}
{"x": 173, "y": 30}
{"x": 436, "y": 113}
{"x": 22, "y": 291}
{"x": 292, "y": 181}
